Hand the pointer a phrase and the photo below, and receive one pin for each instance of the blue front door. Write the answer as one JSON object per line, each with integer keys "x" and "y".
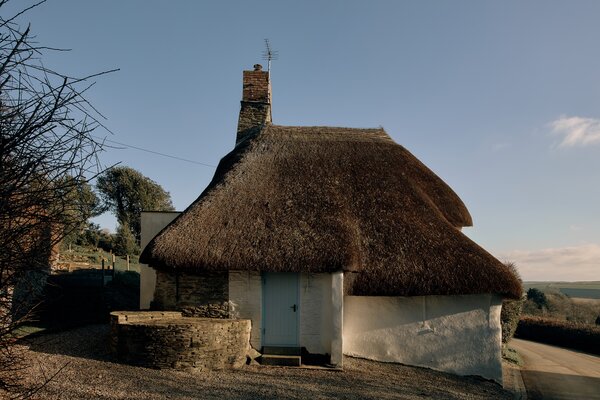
{"x": 280, "y": 305}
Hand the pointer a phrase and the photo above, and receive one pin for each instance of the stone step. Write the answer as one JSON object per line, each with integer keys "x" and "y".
{"x": 280, "y": 360}
{"x": 282, "y": 351}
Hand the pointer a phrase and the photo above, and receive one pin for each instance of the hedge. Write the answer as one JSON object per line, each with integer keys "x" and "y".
{"x": 560, "y": 333}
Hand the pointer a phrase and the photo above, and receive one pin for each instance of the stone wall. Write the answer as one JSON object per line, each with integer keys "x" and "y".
{"x": 204, "y": 294}
{"x": 119, "y": 318}
{"x": 256, "y": 101}
{"x": 185, "y": 343}
{"x": 252, "y": 115}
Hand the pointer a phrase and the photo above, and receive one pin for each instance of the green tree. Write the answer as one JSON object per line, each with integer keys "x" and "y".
{"x": 538, "y": 297}
{"x": 126, "y": 192}
{"x": 124, "y": 242}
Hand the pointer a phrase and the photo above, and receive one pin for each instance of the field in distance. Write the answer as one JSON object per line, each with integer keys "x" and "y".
{"x": 582, "y": 290}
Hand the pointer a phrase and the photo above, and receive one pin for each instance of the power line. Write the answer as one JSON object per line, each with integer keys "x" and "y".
{"x": 155, "y": 152}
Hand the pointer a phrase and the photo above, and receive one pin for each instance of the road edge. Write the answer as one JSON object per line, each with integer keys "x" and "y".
{"x": 513, "y": 381}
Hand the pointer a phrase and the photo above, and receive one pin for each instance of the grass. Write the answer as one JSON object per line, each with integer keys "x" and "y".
{"x": 27, "y": 330}
{"x": 511, "y": 356}
{"x": 592, "y": 302}
{"x": 94, "y": 256}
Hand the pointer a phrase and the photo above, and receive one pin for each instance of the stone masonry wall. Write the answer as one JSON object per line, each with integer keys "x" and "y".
{"x": 200, "y": 295}
{"x": 182, "y": 343}
{"x": 252, "y": 115}
{"x": 119, "y": 318}
{"x": 256, "y": 102}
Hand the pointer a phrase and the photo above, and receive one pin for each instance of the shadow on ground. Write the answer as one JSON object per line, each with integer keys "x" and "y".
{"x": 544, "y": 385}
{"x": 89, "y": 374}
{"x": 89, "y": 342}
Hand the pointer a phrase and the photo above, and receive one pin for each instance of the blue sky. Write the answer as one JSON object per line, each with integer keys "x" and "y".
{"x": 501, "y": 99}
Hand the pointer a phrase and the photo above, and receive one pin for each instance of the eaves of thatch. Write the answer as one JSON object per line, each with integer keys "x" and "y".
{"x": 322, "y": 199}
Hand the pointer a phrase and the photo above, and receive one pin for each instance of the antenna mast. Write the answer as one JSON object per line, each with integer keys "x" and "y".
{"x": 269, "y": 54}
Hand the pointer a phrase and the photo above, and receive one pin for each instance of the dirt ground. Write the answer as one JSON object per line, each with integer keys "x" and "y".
{"x": 89, "y": 372}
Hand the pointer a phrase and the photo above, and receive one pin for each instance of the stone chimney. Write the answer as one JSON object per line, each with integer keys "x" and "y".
{"x": 256, "y": 101}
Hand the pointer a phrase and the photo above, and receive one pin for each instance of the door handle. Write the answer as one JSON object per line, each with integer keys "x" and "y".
{"x": 294, "y": 307}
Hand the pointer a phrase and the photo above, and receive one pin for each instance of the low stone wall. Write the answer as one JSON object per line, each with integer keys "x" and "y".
{"x": 167, "y": 340}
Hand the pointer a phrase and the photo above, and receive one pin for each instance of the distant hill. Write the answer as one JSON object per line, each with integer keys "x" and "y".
{"x": 584, "y": 290}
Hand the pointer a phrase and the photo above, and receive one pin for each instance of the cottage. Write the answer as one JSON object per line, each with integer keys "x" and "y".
{"x": 335, "y": 240}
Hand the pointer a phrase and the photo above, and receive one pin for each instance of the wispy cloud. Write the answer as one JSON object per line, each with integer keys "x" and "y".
{"x": 577, "y": 131}
{"x": 576, "y": 263}
{"x": 500, "y": 147}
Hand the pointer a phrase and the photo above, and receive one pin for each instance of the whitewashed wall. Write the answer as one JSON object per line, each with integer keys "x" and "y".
{"x": 457, "y": 334}
{"x": 315, "y": 313}
{"x": 245, "y": 297}
{"x": 337, "y": 320}
{"x": 152, "y": 223}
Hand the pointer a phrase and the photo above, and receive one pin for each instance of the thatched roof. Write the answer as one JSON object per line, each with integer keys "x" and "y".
{"x": 321, "y": 199}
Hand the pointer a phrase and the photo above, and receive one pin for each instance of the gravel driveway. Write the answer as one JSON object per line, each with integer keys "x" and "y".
{"x": 89, "y": 373}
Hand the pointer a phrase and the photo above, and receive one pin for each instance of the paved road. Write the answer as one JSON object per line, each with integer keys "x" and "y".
{"x": 555, "y": 373}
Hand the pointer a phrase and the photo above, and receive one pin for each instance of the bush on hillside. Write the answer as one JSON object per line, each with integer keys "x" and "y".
{"x": 562, "y": 307}
{"x": 538, "y": 297}
{"x": 91, "y": 236}
{"x": 573, "y": 335}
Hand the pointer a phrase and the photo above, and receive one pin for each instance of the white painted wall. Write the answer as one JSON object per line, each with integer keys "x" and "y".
{"x": 152, "y": 223}
{"x": 315, "y": 313}
{"x": 457, "y": 334}
{"x": 337, "y": 320}
{"x": 245, "y": 301}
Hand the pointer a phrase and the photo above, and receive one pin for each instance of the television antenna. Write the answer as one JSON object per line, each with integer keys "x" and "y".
{"x": 269, "y": 54}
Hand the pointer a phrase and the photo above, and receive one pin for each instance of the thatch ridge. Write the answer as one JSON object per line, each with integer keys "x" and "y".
{"x": 323, "y": 199}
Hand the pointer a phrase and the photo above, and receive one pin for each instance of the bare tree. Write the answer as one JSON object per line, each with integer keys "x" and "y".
{"x": 47, "y": 152}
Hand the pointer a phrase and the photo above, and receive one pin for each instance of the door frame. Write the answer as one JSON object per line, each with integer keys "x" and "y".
{"x": 264, "y": 314}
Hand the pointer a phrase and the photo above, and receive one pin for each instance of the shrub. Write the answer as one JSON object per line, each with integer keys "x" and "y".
{"x": 511, "y": 310}
{"x": 538, "y": 297}
{"x": 509, "y": 318}
{"x": 125, "y": 242}
{"x": 106, "y": 241}
{"x": 560, "y": 333}
{"x": 561, "y": 306}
